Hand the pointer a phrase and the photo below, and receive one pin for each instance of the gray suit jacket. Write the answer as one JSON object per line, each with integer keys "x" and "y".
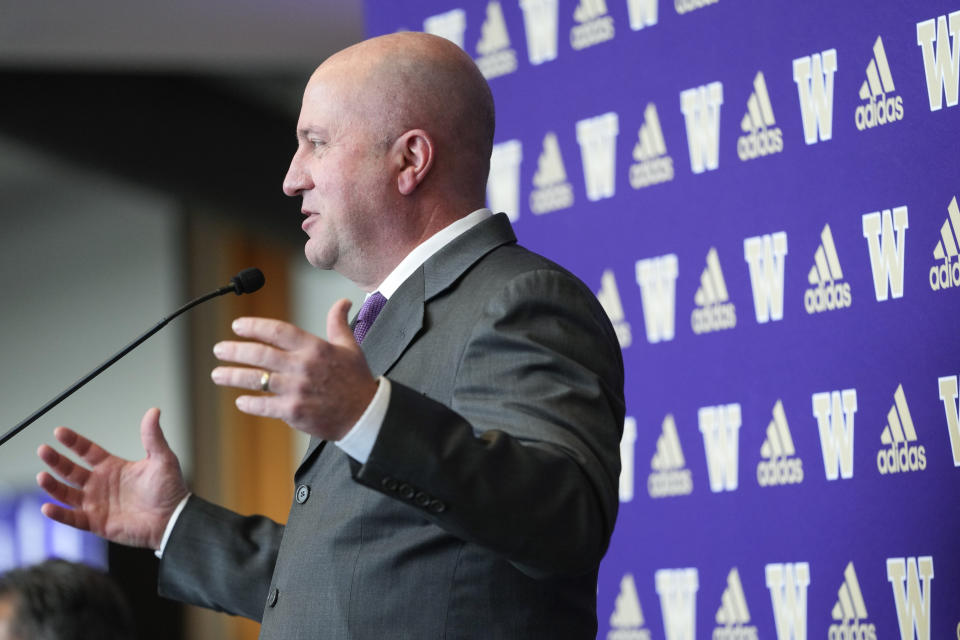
{"x": 490, "y": 495}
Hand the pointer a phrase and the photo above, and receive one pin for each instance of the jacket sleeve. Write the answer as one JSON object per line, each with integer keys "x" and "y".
{"x": 525, "y": 459}
{"x": 212, "y": 550}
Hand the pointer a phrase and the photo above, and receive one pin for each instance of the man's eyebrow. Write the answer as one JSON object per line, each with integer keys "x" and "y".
{"x": 306, "y": 131}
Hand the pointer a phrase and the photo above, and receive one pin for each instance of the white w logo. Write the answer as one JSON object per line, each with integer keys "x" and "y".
{"x": 643, "y": 13}
{"x": 886, "y": 253}
{"x": 597, "y": 138}
{"x": 721, "y": 434}
{"x": 948, "y": 394}
{"x": 834, "y": 412}
{"x": 701, "y": 111}
{"x": 657, "y": 278}
{"x": 814, "y": 77}
{"x": 788, "y": 591}
{"x": 678, "y": 601}
{"x": 943, "y": 70}
{"x": 913, "y": 605}
{"x": 766, "y": 256}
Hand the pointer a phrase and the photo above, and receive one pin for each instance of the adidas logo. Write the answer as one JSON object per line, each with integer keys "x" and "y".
{"x": 677, "y": 589}
{"x": 684, "y": 6}
{"x": 720, "y": 427}
{"x": 814, "y": 77}
{"x": 948, "y": 394}
{"x": 551, "y": 190}
{"x": 879, "y": 109}
{"x": 788, "y": 584}
{"x": 597, "y": 138}
{"x": 899, "y": 436}
{"x": 503, "y": 184}
{"x": 643, "y": 13}
{"x": 657, "y": 278}
{"x": 609, "y": 297}
{"x": 766, "y": 257}
{"x": 827, "y": 294}
{"x": 668, "y": 477}
{"x": 779, "y": 466}
{"x": 943, "y": 68}
{"x": 850, "y": 610}
{"x": 652, "y": 164}
{"x": 912, "y": 601}
{"x": 449, "y": 25}
{"x": 626, "y": 621}
{"x": 628, "y": 449}
{"x": 701, "y": 111}
{"x": 886, "y": 250}
{"x": 733, "y": 614}
{"x": 762, "y": 136}
{"x": 540, "y": 25}
{"x": 714, "y": 310}
{"x": 834, "y": 411}
{"x": 593, "y": 24}
{"x": 496, "y": 58}
{"x": 947, "y": 275}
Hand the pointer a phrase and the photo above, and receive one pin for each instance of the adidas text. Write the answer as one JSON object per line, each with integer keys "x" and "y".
{"x": 651, "y": 172}
{"x": 780, "y": 472}
{"x": 760, "y": 143}
{"x": 902, "y": 457}
{"x": 945, "y": 276}
{"x": 666, "y": 484}
{"x": 879, "y": 112}
{"x": 827, "y": 297}
{"x": 714, "y": 318}
{"x": 855, "y": 631}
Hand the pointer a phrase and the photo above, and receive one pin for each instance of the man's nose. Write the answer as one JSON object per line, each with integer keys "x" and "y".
{"x": 296, "y": 180}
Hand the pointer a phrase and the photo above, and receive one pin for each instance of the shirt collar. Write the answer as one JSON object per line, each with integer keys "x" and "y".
{"x": 422, "y": 252}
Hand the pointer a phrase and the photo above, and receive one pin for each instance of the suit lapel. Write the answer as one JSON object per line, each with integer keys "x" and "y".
{"x": 401, "y": 319}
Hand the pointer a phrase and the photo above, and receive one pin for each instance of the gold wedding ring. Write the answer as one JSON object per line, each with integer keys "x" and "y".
{"x": 265, "y": 381}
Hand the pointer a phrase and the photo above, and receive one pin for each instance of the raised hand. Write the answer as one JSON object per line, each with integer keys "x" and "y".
{"x": 319, "y": 387}
{"x": 124, "y": 501}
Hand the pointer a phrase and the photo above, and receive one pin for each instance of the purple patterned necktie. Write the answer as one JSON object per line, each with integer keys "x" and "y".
{"x": 368, "y": 313}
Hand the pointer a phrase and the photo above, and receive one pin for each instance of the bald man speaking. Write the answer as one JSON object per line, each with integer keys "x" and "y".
{"x": 461, "y": 478}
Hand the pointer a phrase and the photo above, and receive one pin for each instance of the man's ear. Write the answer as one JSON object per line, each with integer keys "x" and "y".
{"x": 415, "y": 150}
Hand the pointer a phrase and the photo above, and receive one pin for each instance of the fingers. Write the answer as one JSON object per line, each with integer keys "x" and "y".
{"x": 151, "y": 436}
{"x": 59, "y": 491}
{"x": 89, "y": 451}
{"x": 63, "y": 466}
{"x": 275, "y": 332}
{"x": 243, "y": 378}
{"x": 252, "y": 353}
{"x": 69, "y": 517}
{"x": 338, "y": 328}
{"x": 264, "y": 406}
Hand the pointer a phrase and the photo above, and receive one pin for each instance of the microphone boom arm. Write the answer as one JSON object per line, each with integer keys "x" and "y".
{"x": 247, "y": 281}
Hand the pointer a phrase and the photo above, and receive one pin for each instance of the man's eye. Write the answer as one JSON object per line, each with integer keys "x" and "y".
{"x": 317, "y": 143}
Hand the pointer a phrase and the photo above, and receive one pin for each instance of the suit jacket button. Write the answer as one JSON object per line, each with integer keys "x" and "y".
{"x": 437, "y": 506}
{"x": 406, "y": 491}
{"x": 421, "y": 499}
{"x": 389, "y": 483}
{"x": 303, "y": 492}
{"x": 272, "y": 597}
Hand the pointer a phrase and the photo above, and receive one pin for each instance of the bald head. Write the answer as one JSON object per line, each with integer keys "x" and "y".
{"x": 410, "y": 80}
{"x": 393, "y": 144}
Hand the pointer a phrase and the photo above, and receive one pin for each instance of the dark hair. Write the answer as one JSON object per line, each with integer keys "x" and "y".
{"x": 60, "y": 600}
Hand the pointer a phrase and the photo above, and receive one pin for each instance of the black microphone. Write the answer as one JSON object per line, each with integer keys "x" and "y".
{"x": 247, "y": 281}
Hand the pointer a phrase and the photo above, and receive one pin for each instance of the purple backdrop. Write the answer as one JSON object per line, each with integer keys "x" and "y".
{"x": 763, "y": 195}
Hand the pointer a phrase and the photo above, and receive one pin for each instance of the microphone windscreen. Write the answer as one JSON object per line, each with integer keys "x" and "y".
{"x": 248, "y": 281}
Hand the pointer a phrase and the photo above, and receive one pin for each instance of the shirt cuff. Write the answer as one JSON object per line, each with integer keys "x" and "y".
{"x": 170, "y": 524}
{"x": 359, "y": 441}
